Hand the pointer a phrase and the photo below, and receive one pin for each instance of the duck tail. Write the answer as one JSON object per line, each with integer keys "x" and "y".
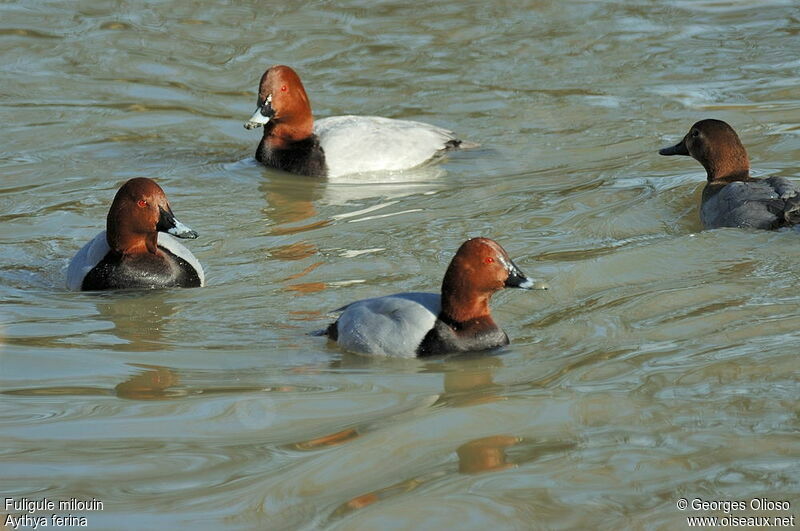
{"x": 457, "y": 143}
{"x": 332, "y": 331}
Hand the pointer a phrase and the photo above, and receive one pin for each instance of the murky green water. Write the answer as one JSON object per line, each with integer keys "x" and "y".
{"x": 661, "y": 365}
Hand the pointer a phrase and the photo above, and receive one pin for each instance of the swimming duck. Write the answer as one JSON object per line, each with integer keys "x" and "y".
{"x": 339, "y": 145}
{"x": 732, "y": 198}
{"x": 135, "y": 250}
{"x": 458, "y": 319}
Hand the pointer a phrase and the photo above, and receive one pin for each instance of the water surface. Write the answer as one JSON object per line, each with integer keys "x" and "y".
{"x": 661, "y": 364}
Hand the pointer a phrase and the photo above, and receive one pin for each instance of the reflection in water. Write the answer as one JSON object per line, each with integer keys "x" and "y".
{"x": 294, "y": 251}
{"x": 307, "y": 315}
{"x": 154, "y": 383}
{"x": 469, "y": 383}
{"x": 359, "y": 502}
{"x": 340, "y": 437}
{"x": 289, "y": 204}
{"x": 485, "y": 454}
{"x": 59, "y": 391}
{"x": 482, "y": 455}
{"x": 478, "y": 456}
{"x": 284, "y": 231}
{"x": 143, "y": 320}
{"x": 386, "y": 185}
{"x": 306, "y": 287}
{"x": 290, "y": 200}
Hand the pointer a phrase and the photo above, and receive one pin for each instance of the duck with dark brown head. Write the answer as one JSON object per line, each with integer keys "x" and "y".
{"x": 731, "y": 197}
{"x": 458, "y": 319}
{"x": 136, "y": 250}
{"x": 337, "y": 145}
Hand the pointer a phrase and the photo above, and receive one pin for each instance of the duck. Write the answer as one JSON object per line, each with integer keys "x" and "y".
{"x": 339, "y": 145}
{"x": 419, "y": 324}
{"x": 731, "y": 197}
{"x": 137, "y": 251}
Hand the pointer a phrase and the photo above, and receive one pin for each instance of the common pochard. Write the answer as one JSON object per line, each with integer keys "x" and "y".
{"x": 731, "y": 198}
{"x": 338, "y": 145}
{"x": 134, "y": 251}
{"x": 415, "y": 324}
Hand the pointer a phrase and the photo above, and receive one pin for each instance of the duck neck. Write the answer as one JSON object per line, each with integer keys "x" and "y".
{"x": 128, "y": 244}
{"x": 284, "y": 132}
{"x": 714, "y": 175}
{"x": 463, "y": 310}
{"x": 731, "y": 166}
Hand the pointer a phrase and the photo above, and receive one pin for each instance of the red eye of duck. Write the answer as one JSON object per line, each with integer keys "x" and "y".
{"x": 489, "y": 260}
{"x": 142, "y": 203}
{"x": 284, "y": 88}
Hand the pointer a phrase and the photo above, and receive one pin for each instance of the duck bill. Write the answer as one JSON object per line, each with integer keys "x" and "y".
{"x": 262, "y": 116}
{"x": 518, "y": 279}
{"x": 169, "y": 224}
{"x": 677, "y": 149}
{"x": 257, "y": 120}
